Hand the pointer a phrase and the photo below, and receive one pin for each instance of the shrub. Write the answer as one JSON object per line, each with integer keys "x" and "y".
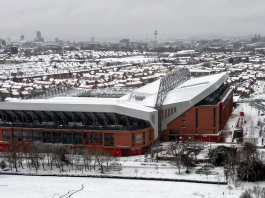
{"x": 218, "y": 156}
{"x": 3, "y": 164}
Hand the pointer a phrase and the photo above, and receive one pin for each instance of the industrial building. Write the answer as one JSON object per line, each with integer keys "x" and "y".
{"x": 173, "y": 107}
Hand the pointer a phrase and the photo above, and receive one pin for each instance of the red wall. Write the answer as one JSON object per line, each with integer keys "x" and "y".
{"x": 186, "y": 123}
{"x": 122, "y": 139}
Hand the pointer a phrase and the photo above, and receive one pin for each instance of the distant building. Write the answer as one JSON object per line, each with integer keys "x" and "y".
{"x": 92, "y": 39}
{"x": 258, "y": 38}
{"x": 217, "y": 40}
{"x": 2, "y": 42}
{"x": 39, "y": 38}
{"x": 155, "y": 37}
{"x": 14, "y": 50}
{"x": 124, "y": 43}
{"x": 22, "y": 37}
{"x": 38, "y": 35}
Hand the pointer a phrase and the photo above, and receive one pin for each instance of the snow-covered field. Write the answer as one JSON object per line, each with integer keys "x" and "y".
{"x": 55, "y": 187}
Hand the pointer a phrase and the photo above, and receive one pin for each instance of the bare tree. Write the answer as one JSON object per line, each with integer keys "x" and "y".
{"x": 34, "y": 155}
{"x": 136, "y": 171}
{"x": 12, "y": 155}
{"x": 109, "y": 159}
{"x": 231, "y": 159}
{"x": 100, "y": 159}
{"x": 20, "y": 154}
{"x": 87, "y": 158}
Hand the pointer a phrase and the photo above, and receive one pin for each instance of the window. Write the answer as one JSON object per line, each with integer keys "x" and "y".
{"x": 150, "y": 135}
{"x": 153, "y": 118}
{"x": 91, "y": 142}
{"x": 171, "y": 111}
{"x": 182, "y": 115}
{"x": 17, "y": 136}
{"x": 57, "y": 137}
{"x": 98, "y": 138}
{"x": 108, "y": 135}
{"x": 36, "y": 136}
{"x": 168, "y": 112}
{"x": 143, "y": 137}
{"x": 47, "y": 138}
{"x": 6, "y": 135}
{"x": 165, "y": 113}
{"x": 88, "y": 138}
{"x": 133, "y": 139}
{"x": 67, "y": 137}
{"x": 196, "y": 121}
{"x": 109, "y": 143}
{"x": 175, "y": 109}
{"x": 109, "y": 139}
{"x": 174, "y": 131}
{"x": 214, "y": 131}
{"x": 26, "y": 136}
{"x": 77, "y": 138}
{"x": 183, "y": 127}
{"x": 183, "y": 121}
{"x": 214, "y": 118}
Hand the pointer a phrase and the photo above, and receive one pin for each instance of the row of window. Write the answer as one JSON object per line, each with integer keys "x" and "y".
{"x": 88, "y": 138}
{"x": 59, "y": 137}
{"x": 168, "y": 112}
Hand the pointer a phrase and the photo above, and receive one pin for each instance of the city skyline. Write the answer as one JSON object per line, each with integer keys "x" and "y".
{"x": 112, "y": 21}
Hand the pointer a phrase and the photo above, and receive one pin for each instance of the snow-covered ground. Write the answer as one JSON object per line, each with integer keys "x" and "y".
{"x": 251, "y": 128}
{"x": 134, "y": 166}
{"x": 55, "y": 187}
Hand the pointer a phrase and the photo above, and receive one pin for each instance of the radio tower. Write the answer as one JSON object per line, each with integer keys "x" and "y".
{"x": 155, "y": 37}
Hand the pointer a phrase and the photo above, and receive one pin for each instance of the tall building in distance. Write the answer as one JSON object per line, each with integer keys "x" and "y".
{"x": 2, "y": 44}
{"x": 38, "y": 35}
{"x": 124, "y": 44}
{"x": 155, "y": 37}
{"x": 22, "y": 37}
{"x": 39, "y": 38}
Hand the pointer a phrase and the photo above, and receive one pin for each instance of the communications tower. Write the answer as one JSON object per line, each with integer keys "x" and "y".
{"x": 155, "y": 37}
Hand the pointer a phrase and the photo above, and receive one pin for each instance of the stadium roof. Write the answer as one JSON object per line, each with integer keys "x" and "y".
{"x": 189, "y": 92}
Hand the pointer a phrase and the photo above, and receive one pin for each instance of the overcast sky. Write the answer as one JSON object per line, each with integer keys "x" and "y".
{"x": 112, "y": 20}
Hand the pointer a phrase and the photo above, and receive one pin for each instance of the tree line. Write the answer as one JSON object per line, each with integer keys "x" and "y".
{"x": 38, "y": 156}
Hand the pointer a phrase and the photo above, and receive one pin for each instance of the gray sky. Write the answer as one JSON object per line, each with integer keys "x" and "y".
{"x": 113, "y": 20}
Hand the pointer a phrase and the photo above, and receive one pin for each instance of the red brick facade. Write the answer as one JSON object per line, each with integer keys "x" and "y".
{"x": 117, "y": 142}
{"x": 201, "y": 122}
